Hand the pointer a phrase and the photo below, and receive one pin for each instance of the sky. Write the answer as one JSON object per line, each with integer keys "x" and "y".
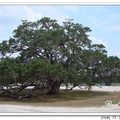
{"x": 104, "y": 21}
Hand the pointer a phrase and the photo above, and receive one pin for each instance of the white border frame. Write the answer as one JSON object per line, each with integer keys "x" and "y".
{"x": 60, "y": 2}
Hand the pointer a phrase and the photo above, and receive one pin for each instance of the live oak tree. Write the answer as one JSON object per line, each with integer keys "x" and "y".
{"x": 49, "y": 54}
{"x": 51, "y": 42}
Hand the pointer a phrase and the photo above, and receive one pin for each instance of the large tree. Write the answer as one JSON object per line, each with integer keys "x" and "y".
{"x": 49, "y": 54}
{"x": 54, "y": 43}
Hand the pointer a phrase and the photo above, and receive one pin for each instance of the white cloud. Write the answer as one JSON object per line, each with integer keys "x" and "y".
{"x": 18, "y": 13}
{"x": 11, "y": 16}
{"x": 56, "y": 12}
{"x": 114, "y": 53}
{"x": 111, "y": 51}
{"x": 97, "y": 22}
{"x": 30, "y": 14}
{"x": 96, "y": 40}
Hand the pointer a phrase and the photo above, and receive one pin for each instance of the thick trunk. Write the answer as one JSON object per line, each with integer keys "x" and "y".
{"x": 54, "y": 88}
{"x": 89, "y": 88}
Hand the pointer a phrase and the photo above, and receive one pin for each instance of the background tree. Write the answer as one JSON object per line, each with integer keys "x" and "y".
{"x": 111, "y": 70}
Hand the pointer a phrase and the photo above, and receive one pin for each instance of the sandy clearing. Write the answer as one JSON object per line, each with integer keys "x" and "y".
{"x": 104, "y": 88}
{"x": 29, "y": 109}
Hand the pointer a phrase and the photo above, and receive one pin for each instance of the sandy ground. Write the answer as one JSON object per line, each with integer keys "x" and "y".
{"x": 31, "y": 109}
{"x": 104, "y": 88}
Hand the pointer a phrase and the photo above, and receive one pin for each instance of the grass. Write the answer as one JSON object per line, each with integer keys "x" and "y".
{"x": 74, "y": 98}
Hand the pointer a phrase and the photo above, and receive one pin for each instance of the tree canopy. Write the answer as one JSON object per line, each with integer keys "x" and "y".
{"x": 50, "y": 54}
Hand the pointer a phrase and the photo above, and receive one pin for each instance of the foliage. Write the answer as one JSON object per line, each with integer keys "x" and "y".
{"x": 49, "y": 54}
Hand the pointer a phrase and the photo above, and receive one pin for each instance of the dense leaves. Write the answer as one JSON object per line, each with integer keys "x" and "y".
{"x": 42, "y": 55}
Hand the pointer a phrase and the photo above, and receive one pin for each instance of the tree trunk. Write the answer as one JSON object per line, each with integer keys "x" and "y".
{"x": 54, "y": 88}
{"x": 89, "y": 88}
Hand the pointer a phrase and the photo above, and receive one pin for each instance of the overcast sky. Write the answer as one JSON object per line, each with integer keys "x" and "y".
{"x": 103, "y": 20}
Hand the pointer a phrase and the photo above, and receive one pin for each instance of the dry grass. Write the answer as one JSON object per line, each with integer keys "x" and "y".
{"x": 66, "y": 98}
